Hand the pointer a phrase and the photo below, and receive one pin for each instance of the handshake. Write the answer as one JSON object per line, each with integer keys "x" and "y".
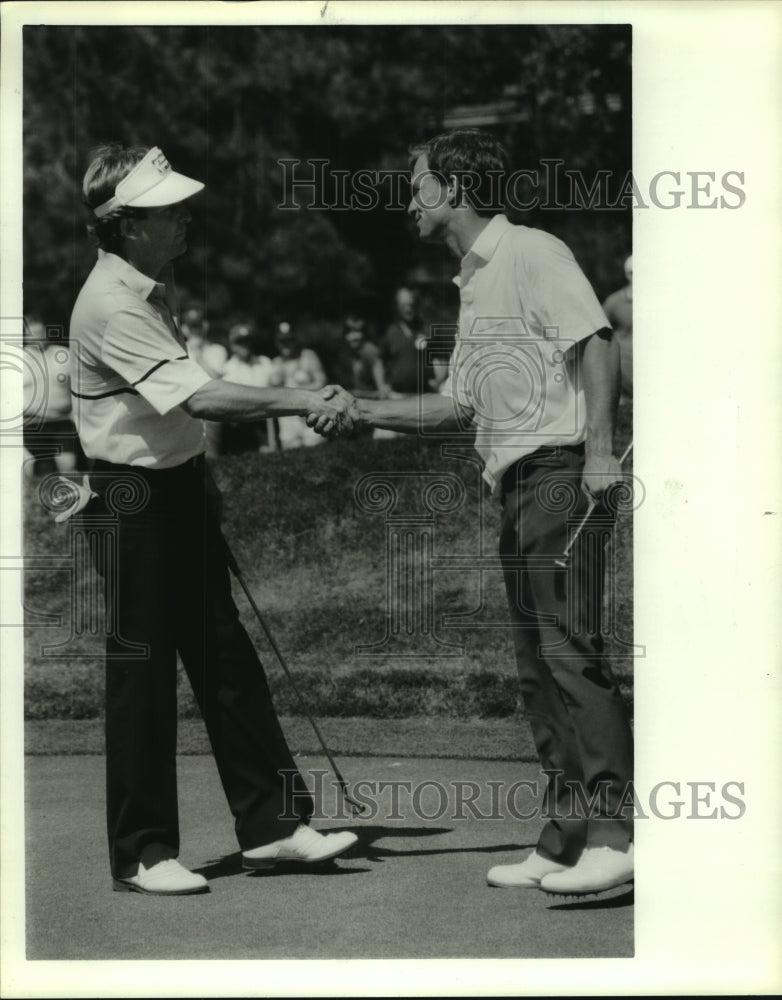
{"x": 335, "y": 414}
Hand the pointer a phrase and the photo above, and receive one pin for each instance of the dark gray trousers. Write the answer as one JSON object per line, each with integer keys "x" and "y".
{"x": 579, "y": 721}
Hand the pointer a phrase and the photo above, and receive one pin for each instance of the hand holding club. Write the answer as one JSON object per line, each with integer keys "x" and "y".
{"x": 602, "y": 474}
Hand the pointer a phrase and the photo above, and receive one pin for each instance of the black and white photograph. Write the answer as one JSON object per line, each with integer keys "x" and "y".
{"x": 381, "y": 614}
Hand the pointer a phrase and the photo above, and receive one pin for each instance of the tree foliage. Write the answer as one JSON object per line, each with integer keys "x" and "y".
{"x": 226, "y": 104}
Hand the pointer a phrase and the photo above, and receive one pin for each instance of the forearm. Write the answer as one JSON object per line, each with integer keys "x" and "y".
{"x": 228, "y": 401}
{"x": 600, "y": 379}
{"x": 415, "y": 413}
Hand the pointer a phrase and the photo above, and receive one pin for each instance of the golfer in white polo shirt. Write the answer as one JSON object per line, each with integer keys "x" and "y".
{"x": 535, "y": 377}
{"x": 139, "y": 401}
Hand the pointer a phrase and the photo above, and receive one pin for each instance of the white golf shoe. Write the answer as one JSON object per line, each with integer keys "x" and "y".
{"x": 525, "y": 875}
{"x": 304, "y": 844}
{"x": 159, "y": 874}
{"x": 598, "y": 869}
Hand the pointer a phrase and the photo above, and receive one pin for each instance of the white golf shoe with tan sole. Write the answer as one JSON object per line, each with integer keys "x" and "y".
{"x": 304, "y": 844}
{"x": 159, "y": 874}
{"x": 598, "y": 869}
{"x": 525, "y": 875}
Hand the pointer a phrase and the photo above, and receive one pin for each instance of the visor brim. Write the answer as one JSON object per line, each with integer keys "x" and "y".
{"x": 172, "y": 189}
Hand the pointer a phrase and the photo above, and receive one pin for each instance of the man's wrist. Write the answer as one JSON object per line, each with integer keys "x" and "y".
{"x": 305, "y": 400}
{"x": 364, "y": 411}
{"x": 599, "y": 445}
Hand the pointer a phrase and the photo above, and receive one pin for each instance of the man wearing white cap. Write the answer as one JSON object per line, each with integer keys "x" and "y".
{"x": 139, "y": 405}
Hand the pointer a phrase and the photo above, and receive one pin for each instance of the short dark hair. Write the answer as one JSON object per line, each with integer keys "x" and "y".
{"x": 469, "y": 151}
{"x": 109, "y": 164}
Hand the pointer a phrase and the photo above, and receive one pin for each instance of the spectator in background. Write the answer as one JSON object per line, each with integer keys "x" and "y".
{"x": 618, "y": 307}
{"x": 368, "y": 371}
{"x": 50, "y": 438}
{"x": 209, "y": 355}
{"x": 403, "y": 345}
{"x": 295, "y": 367}
{"x": 245, "y": 367}
{"x": 441, "y": 363}
{"x": 212, "y": 358}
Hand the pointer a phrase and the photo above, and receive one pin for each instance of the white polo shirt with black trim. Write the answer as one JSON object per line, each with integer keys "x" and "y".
{"x": 524, "y": 304}
{"x": 130, "y": 371}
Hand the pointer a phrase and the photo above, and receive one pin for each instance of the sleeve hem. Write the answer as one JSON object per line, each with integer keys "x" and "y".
{"x": 176, "y": 396}
{"x": 154, "y": 368}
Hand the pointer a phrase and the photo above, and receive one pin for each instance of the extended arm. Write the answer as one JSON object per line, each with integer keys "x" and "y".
{"x": 598, "y": 358}
{"x": 228, "y": 401}
{"x": 409, "y": 415}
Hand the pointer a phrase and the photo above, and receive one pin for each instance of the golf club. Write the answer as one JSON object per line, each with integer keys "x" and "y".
{"x": 356, "y": 808}
{"x": 565, "y": 557}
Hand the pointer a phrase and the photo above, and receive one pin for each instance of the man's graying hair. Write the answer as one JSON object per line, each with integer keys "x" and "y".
{"x": 479, "y": 161}
{"x": 109, "y": 164}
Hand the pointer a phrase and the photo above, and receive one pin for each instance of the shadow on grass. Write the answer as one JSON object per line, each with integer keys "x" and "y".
{"x": 368, "y": 836}
{"x": 231, "y": 864}
{"x": 289, "y": 868}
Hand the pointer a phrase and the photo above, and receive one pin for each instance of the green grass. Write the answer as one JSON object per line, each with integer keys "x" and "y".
{"x": 315, "y": 562}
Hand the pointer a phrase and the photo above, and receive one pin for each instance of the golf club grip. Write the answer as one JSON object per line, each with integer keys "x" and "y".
{"x": 592, "y": 501}
{"x": 562, "y": 561}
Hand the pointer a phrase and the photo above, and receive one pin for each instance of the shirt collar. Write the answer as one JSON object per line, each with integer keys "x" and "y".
{"x": 485, "y": 245}
{"x": 137, "y": 282}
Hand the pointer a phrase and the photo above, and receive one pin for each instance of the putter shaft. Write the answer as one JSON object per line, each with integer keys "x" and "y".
{"x": 357, "y": 808}
{"x": 562, "y": 561}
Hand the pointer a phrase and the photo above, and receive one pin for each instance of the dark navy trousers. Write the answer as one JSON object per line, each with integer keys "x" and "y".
{"x": 156, "y": 541}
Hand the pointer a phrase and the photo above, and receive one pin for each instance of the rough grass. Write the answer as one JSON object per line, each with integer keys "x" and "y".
{"x": 315, "y": 561}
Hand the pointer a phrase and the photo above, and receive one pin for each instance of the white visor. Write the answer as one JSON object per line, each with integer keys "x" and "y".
{"x": 150, "y": 184}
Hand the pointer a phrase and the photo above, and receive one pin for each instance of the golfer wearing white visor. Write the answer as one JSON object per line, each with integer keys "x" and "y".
{"x": 139, "y": 401}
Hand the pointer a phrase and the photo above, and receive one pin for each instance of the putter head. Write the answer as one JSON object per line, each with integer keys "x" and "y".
{"x": 356, "y": 808}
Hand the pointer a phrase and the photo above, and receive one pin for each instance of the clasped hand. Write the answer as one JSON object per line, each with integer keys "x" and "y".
{"x": 336, "y": 413}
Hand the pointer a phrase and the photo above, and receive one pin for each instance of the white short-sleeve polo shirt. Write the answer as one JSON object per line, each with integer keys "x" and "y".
{"x": 130, "y": 371}
{"x": 524, "y": 303}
